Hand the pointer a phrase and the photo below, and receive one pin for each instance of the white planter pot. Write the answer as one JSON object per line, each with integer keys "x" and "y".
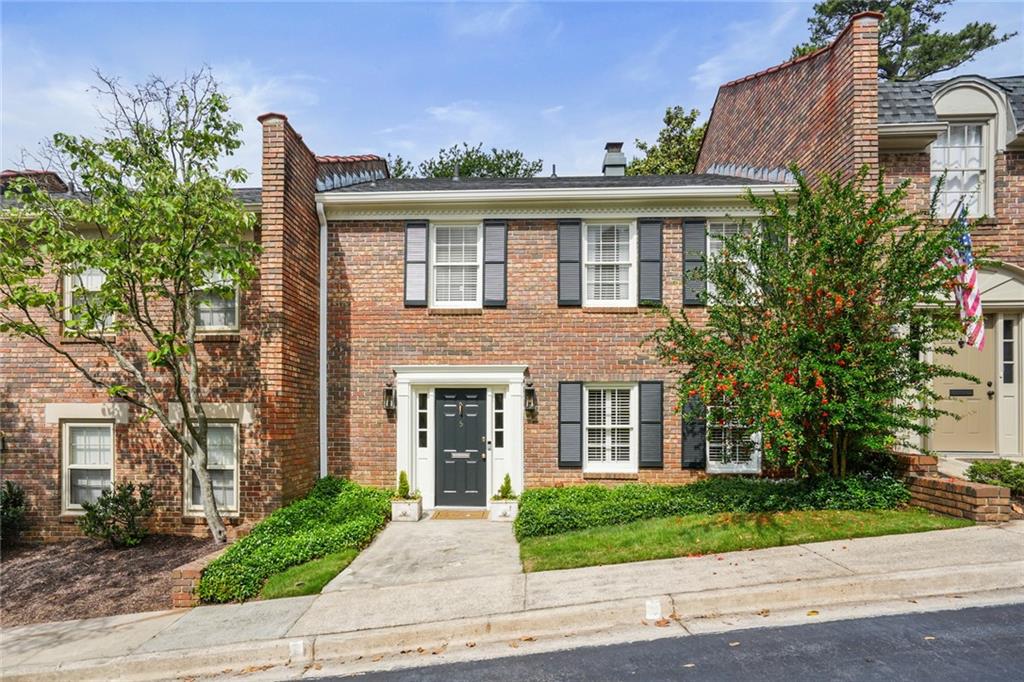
{"x": 504, "y": 510}
{"x": 406, "y": 510}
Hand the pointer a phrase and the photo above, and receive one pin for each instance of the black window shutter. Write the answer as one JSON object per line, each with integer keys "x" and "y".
{"x": 695, "y": 247}
{"x": 694, "y": 436}
{"x": 649, "y": 235}
{"x": 651, "y": 431}
{"x": 570, "y": 424}
{"x": 570, "y": 267}
{"x": 495, "y": 267}
{"x": 416, "y": 263}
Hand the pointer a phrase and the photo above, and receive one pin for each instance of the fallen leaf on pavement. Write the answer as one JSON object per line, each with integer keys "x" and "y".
{"x": 377, "y": 658}
{"x": 663, "y": 623}
{"x": 471, "y": 644}
{"x": 514, "y": 644}
{"x": 528, "y": 639}
{"x": 763, "y": 613}
{"x": 734, "y": 643}
{"x": 812, "y": 612}
{"x": 928, "y": 637}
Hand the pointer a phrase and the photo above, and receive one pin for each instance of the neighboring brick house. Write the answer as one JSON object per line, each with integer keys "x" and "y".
{"x": 464, "y": 329}
{"x": 828, "y": 113}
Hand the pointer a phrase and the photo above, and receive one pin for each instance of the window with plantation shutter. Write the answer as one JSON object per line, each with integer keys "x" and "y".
{"x": 610, "y": 431}
{"x": 609, "y": 264}
{"x": 732, "y": 448}
{"x": 456, "y": 266}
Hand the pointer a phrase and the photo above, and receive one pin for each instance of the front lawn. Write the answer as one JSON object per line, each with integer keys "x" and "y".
{"x": 663, "y": 538}
{"x": 307, "y": 578}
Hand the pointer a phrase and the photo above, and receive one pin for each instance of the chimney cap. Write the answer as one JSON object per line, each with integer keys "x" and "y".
{"x": 613, "y": 147}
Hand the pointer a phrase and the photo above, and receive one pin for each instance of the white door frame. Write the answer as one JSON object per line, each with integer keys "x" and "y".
{"x": 411, "y": 380}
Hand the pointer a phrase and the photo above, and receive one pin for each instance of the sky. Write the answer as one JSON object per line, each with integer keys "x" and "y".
{"x": 556, "y": 80}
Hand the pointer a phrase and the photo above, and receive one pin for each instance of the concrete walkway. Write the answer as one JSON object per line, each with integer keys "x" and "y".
{"x": 432, "y": 551}
{"x": 446, "y": 597}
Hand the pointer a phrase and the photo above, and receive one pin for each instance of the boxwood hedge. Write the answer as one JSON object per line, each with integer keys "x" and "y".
{"x": 547, "y": 511}
{"x": 337, "y": 514}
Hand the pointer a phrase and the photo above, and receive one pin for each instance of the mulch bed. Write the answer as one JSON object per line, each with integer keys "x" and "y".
{"x": 87, "y": 579}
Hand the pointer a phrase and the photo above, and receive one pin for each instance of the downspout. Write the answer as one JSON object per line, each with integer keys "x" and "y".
{"x": 323, "y": 338}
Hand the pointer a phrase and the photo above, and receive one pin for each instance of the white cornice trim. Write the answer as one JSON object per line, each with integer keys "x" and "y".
{"x": 476, "y": 196}
{"x": 476, "y": 213}
{"x": 911, "y": 129}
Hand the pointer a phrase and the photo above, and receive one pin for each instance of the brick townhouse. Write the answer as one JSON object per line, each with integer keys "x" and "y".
{"x": 828, "y": 112}
{"x": 464, "y": 329}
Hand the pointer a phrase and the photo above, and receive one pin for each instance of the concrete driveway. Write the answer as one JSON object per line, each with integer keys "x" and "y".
{"x": 432, "y": 551}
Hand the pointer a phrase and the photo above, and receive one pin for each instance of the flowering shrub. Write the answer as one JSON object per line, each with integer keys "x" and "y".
{"x": 818, "y": 322}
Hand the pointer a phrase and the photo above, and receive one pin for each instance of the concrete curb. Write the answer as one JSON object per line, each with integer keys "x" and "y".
{"x": 674, "y": 610}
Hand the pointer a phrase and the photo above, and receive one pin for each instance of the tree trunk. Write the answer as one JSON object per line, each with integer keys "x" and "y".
{"x": 210, "y": 511}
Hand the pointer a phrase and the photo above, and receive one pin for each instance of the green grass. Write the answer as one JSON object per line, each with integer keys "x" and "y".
{"x": 710, "y": 534}
{"x": 307, "y": 578}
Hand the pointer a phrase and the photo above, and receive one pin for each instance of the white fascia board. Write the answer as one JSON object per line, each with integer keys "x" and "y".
{"x": 473, "y": 196}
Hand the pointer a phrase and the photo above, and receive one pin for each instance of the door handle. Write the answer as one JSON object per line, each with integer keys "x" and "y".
{"x": 990, "y": 393}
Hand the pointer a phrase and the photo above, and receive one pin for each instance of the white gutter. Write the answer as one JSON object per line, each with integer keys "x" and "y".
{"x": 323, "y": 338}
{"x": 556, "y": 193}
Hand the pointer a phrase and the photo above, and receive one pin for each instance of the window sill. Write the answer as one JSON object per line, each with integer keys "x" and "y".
{"x": 218, "y": 337}
{"x": 611, "y": 310}
{"x": 70, "y": 516}
{"x": 196, "y": 518}
{"x": 610, "y": 476}
{"x": 455, "y": 312}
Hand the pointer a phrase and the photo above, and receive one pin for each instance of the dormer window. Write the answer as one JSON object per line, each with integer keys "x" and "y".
{"x": 959, "y": 154}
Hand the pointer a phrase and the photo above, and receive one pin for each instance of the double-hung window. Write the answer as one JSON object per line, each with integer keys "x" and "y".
{"x": 611, "y": 442}
{"x": 959, "y": 154}
{"x": 609, "y": 264}
{"x": 217, "y": 306}
{"x": 81, "y": 291}
{"x": 222, "y": 463}
{"x": 88, "y": 461}
{"x": 718, "y": 232}
{"x": 732, "y": 448}
{"x": 456, "y": 272}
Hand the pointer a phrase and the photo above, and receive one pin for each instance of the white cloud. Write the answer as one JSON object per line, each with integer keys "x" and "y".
{"x": 743, "y": 48}
{"x": 646, "y": 65}
{"x": 551, "y": 112}
{"x": 470, "y": 21}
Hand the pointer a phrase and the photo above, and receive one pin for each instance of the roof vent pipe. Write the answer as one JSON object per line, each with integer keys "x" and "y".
{"x": 614, "y": 160}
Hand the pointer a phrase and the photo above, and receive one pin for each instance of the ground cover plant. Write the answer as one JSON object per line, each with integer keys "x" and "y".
{"x": 337, "y": 515}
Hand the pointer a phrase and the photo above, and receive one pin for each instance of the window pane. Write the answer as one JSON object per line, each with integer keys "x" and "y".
{"x": 608, "y": 243}
{"x": 608, "y": 282}
{"x": 216, "y": 310}
{"x": 974, "y": 135}
{"x": 456, "y": 244}
{"x": 455, "y": 283}
{"x": 220, "y": 446}
{"x": 88, "y": 484}
{"x": 421, "y": 400}
{"x": 223, "y": 488}
{"x": 499, "y": 439}
{"x": 90, "y": 445}
{"x": 499, "y": 401}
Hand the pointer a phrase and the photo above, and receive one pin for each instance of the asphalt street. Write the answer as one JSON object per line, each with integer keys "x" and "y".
{"x": 971, "y": 644}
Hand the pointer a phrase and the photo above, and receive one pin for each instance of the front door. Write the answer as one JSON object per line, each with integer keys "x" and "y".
{"x": 974, "y": 402}
{"x": 461, "y": 469}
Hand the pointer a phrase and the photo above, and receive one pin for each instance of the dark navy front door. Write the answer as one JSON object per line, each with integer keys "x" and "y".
{"x": 461, "y": 446}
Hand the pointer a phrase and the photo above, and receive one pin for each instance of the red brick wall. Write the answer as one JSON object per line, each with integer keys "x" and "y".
{"x": 371, "y": 331}
{"x": 32, "y": 376}
{"x": 1003, "y": 232}
{"x": 289, "y": 271}
{"x": 819, "y": 111}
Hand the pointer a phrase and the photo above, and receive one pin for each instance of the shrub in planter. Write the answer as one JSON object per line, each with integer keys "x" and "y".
{"x": 119, "y": 516}
{"x": 12, "y": 513}
{"x": 999, "y": 472}
{"x": 406, "y": 505}
{"x": 337, "y": 514}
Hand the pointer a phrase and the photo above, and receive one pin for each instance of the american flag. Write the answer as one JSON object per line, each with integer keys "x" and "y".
{"x": 966, "y": 291}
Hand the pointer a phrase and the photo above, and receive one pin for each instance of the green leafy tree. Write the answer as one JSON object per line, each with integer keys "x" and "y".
{"x": 677, "y": 147}
{"x": 476, "y": 162}
{"x": 818, "y": 322}
{"x": 910, "y": 47}
{"x": 156, "y": 217}
{"x": 398, "y": 167}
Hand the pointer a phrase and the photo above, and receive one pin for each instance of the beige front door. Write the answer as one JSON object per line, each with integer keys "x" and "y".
{"x": 975, "y": 403}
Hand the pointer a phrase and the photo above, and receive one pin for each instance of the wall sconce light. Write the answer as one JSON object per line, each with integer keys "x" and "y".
{"x": 530, "y": 399}
{"x": 390, "y": 397}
